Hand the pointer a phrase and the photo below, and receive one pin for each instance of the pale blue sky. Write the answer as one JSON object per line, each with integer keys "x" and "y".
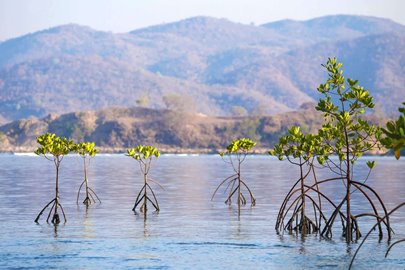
{"x": 18, "y": 17}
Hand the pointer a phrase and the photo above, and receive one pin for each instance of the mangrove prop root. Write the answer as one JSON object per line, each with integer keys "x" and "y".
{"x": 387, "y": 223}
{"x": 90, "y": 194}
{"x": 392, "y": 245}
{"x": 327, "y": 231}
{"x": 143, "y": 198}
{"x": 294, "y": 207}
{"x": 55, "y": 218}
{"x": 365, "y": 190}
{"x": 304, "y": 224}
{"x": 372, "y": 229}
{"x": 78, "y": 192}
{"x": 234, "y": 185}
{"x": 95, "y": 194}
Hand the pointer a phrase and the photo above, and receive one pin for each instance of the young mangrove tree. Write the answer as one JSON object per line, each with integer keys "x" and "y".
{"x": 236, "y": 153}
{"x": 300, "y": 150}
{"x": 348, "y": 136}
{"x": 86, "y": 150}
{"x": 53, "y": 148}
{"x": 144, "y": 154}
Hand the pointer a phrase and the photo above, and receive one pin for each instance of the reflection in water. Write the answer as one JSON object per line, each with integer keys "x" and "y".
{"x": 88, "y": 231}
{"x": 145, "y": 227}
{"x": 55, "y": 230}
{"x": 302, "y": 238}
{"x": 189, "y": 231}
{"x": 236, "y": 228}
{"x": 144, "y": 218}
{"x": 350, "y": 250}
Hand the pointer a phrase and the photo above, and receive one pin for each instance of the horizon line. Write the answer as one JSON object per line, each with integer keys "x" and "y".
{"x": 192, "y": 17}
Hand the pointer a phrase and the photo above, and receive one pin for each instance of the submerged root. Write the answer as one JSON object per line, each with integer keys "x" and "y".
{"x": 144, "y": 198}
{"x": 87, "y": 201}
{"x": 242, "y": 199}
{"x": 90, "y": 194}
{"x": 55, "y": 218}
{"x": 384, "y": 218}
{"x": 392, "y": 245}
{"x": 298, "y": 221}
{"x": 304, "y": 226}
{"x": 234, "y": 185}
{"x": 355, "y": 228}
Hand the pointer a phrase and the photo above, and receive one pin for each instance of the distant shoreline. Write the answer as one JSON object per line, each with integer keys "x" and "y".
{"x": 179, "y": 151}
{"x": 171, "y": 150}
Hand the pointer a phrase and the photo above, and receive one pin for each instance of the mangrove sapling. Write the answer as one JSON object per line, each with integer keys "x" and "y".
{"x": 236, "y": 153}
{"x": 144, "y": 154}
{"x": 300, "y": 150}
{"x": 395, "y": 134}
{"x": 53, "y": 148}
{"x": 348, "y": 136}
{"x": 87, "y": 151}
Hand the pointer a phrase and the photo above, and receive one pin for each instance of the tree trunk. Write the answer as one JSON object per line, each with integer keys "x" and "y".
{"x": 239, "y": 183}
{"x": 145, "y": 179}
{"x": 55, "y": 218}
{"x": 348, "y": 183}
{"x": 87, "y": 199}
{"x": 303, "y": 224}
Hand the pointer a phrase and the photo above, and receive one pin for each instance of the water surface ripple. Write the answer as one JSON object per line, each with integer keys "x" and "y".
{"x": 191, "y": 231}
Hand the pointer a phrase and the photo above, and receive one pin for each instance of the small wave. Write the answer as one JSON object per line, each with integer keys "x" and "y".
{"x": 180, "y": 155}
{"x": 240, "y": 245}
{"x": 110, "y": 154}
{"x": 283, "y": 246}
{"x": 29, "y": 154}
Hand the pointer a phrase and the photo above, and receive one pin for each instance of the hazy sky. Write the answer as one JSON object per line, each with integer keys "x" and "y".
{"x": 18, "y": 17}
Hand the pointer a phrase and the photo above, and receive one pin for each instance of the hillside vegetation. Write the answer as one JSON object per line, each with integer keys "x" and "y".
{"x": 115, "y": 129}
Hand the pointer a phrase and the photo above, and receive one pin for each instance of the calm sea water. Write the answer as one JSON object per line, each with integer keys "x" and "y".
{"x": 190, "y": 232}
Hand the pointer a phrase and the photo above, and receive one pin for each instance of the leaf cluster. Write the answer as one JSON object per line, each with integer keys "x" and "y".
{"x": 54, "y": 145}
{"x": 354, "y": 98}
{"x": 242, "y": 145}
{"x": 344, "y": 130}
{"x": 299, "y": 145}
{"x": 143, "y": 152}
{"x": 395, "y": 133}
{"x": 86, "y": 149}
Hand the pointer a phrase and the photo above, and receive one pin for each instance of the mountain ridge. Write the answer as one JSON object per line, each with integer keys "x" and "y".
{"x": 264, "y": 71}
